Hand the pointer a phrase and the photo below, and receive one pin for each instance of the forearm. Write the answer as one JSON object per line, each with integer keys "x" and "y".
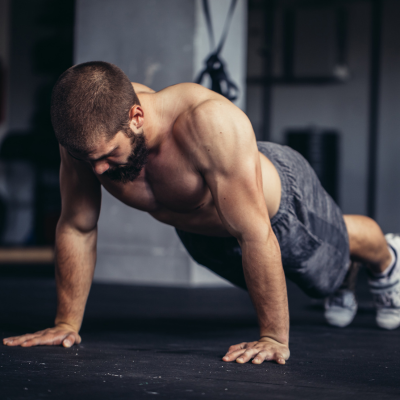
{"x": 75, "y": 263}
{"x": 266, "y": 284}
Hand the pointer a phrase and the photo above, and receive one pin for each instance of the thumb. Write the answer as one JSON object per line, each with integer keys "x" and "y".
{"x": 279, "y": 358}
{"x": 69, "y": 340}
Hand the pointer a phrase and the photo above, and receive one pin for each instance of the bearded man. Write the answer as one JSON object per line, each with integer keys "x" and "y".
{"x": 251, "y": 212}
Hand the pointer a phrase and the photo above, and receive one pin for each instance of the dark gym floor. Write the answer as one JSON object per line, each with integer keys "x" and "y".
{"x": 140, "y": 342}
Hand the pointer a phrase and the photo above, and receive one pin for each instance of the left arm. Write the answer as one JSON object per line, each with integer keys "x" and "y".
{"x": 225, "y": 152}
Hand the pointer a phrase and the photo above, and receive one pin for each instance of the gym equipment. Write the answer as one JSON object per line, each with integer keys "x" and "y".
{"x": 215, "y": 67}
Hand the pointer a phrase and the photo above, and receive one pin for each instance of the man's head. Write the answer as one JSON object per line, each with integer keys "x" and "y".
{"x": 137, "y": 158}
{"x": 93, "y": 107}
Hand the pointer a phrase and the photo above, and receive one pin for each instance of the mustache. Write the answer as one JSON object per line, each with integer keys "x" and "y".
{"x": 136, "y": 162}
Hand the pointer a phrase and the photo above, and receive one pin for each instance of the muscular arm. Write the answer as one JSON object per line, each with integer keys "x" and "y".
{"x": 76, "y": 237}
{"x": 225, "y": 152}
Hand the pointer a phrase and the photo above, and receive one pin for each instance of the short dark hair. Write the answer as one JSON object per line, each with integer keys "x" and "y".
{"x": 90, "y": 100}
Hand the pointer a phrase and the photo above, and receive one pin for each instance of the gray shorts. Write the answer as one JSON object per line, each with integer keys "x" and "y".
{"x": 309, "y": 227}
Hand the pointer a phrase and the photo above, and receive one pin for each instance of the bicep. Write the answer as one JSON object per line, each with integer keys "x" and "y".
{"x": 80, "y": 195}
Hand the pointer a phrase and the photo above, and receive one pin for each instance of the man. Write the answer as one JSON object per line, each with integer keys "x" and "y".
{"x": 189, "y": 158}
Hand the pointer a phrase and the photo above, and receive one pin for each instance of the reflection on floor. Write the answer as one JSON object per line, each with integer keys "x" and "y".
{"x": 140, "y": 342}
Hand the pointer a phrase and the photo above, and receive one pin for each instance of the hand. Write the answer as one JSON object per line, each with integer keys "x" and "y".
{"x": 61, "y": 334}
{"x": 265, "y": 349}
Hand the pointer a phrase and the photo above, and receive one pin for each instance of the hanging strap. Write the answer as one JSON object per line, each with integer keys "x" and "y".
{"x": 226, "y": 27}
{"x": 209, "y": 24}
{"x": 215, "y": 67}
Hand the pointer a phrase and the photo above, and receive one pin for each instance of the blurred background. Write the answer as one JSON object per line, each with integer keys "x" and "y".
{"x": 322, "y": 76}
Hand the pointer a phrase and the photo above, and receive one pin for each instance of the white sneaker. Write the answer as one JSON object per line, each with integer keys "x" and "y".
{"x": 386, "y": 290}
{"x": 341, "y": 308}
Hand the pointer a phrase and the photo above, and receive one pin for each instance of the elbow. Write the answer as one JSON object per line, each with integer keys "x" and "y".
{"x": 75, "y": 227}
{"x": 260, "y": 235}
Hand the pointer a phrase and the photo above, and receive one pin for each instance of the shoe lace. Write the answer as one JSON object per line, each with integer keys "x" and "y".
{"x": 387, "y": 299}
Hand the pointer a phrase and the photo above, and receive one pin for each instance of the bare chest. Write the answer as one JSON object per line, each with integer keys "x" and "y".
{"x": 168, "y": 184}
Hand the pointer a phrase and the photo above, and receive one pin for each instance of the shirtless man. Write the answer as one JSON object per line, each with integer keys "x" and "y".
{"x": 252, "y": 212}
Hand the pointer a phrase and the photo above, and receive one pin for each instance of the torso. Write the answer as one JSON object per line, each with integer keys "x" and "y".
{"x": 171, "y": 190}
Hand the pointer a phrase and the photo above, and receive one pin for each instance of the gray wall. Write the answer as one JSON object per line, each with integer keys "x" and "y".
{"x": 159, "y": 43}
{"x": 344, "y": 106}
{"x": 389, "y": 144}
{"x": 333, "y": 106}
{"x": 152, "y": 40}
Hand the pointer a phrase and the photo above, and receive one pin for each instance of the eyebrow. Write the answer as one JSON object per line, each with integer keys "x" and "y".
{"x": 105, "y": 155}
{"x": 97, "y": 159}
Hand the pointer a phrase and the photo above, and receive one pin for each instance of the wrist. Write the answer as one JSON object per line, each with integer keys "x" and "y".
{"x": 281, "y": 339}
{"x": 67, "y": 325}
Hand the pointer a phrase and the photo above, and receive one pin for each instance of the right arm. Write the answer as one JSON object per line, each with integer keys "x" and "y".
{"x": 76, "y": 237}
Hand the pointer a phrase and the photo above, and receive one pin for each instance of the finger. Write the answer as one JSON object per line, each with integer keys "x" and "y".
{"x": 234, "y": 355}
{"x": 20, "y": 336}
{"x": 78, "y": 339}
{"x": 17, "y": 340}
{"x": 10, "y": 339}
{"x": 260, "y": 357}
{"x": 236, "y": 347}
{"x": 241, "y": 346}
{"x": 33, "y": 342}
{"x": 278, "y": 357}
{"x": 70, "y": 340}
{"x": 232, "y": 349}
{"x": 247, "y": 355}
{"x": 49, "y": 339}
{"x": 14, "y": 338}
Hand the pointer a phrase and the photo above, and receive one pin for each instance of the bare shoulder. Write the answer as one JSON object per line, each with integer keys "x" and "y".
{"x": 214, "y": 120}
{"x": 70, "y": 162}
{"x": 215, "y": 132}
{"x": 139, "y": 88}
{"x": 74, "y": 170}
{"x": 185, "y": 89}
{"x": 217, "y": 111}
{"x": 190, "y": 93}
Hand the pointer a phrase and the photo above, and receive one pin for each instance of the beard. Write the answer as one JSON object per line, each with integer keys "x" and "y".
{"x": 136, "y": 161}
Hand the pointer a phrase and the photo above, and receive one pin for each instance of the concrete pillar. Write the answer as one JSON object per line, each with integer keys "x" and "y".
{"x": 158, "y": 43}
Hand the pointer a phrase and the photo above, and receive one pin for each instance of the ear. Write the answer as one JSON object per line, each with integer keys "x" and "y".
{"x": 136, "y": 118}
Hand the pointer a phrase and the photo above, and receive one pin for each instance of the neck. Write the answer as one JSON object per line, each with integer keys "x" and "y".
{"x": 153, "y": 119}
{"x": 158, "y": 119}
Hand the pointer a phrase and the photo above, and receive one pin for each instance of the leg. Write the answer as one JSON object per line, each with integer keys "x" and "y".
{"x": 367, "y": 242}
{"x": 367, "y": 246}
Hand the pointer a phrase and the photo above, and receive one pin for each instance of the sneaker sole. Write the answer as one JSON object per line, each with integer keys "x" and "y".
{"x": 338, "y": 319}
{"x": 388, "y": 324}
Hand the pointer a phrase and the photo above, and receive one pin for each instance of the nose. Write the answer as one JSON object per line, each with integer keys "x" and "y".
{"x": 100, "y": 167}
